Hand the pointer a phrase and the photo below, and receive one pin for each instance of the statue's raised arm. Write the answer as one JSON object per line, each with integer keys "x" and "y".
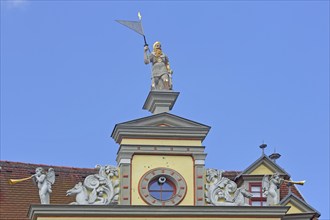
{"x": 161, "y": 71}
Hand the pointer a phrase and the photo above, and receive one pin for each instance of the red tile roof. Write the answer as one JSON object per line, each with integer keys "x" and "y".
{"x": 16, "y": 199}
{"x": 284, "y": 191}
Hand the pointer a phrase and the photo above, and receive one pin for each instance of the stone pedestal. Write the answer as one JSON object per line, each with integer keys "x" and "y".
{"x": 159, "y": 101}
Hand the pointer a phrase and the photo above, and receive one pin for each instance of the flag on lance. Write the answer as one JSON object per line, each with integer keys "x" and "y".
{"x": 135, "y": 26}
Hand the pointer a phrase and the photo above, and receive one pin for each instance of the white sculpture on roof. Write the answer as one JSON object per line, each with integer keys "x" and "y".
{"x": 44, "y": 181}
{"x": 270, "y": 186}
{"x": 97, "y": 189}
{"x": 221, "y": 191}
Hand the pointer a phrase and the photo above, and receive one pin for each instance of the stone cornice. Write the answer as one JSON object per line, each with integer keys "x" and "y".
{"x": 160, "y": 149}
{"x": 300, "y": 216}
{"x": 125, "y": 131}
{"x": 160, "y": 101}
{"x": 160, "y": 126}
{"x": 36, "y": 211}
{"x": 127, "y": 151}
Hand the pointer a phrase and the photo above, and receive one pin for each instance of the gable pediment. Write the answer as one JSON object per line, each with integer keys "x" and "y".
{"x": 263, "y": 166}
{"x": 163, "y": 125}
{"x": 164, "y": 119}
{"x": 263, "y": 169}
{"x": 297, "y": 205}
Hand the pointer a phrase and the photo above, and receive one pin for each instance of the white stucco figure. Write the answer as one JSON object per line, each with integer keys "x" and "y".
{"x": 221, "y": 191}
{"x": 97, "y": 189}
{"x": 44, "y": 182}
{"x": 270, "y": 186}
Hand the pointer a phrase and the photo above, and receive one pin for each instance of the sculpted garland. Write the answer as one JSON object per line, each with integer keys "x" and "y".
{"x": 97, "y": 189}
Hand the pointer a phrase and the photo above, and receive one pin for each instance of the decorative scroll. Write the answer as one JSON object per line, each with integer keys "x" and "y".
{"x": 221, "y": 191}
{"x": 97, "y": 189}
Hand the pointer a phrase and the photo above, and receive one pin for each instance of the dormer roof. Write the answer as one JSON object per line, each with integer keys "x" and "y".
{"x": 264, "y": 166}
{"x": 298, "y": 206}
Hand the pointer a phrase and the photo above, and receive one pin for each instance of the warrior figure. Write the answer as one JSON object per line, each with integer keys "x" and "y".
{"x": 161, "y": 71}
{"x": 44, "y": 181}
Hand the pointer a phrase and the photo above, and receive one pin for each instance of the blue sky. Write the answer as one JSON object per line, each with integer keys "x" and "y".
{"x": 255, "y": 71}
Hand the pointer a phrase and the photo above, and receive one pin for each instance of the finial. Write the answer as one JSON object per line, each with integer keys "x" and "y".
{"x": 274, "y": 156}
{"x": 262, "y": 147}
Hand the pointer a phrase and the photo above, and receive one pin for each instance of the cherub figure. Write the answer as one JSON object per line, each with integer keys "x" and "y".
{"x": 270, "y": 187}
{"x": 161, "y": 71}
{"x": 44, "y": 181}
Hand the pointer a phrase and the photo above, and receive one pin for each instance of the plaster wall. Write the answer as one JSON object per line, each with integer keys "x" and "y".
{"x": 143, "y": 163}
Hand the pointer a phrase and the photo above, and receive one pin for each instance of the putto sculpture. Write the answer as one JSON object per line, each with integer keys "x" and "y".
{"x": 161, "y": 70}
{"x": 270, "y": 186}
{"x": 97, "y": 189}
{"x": 44, "y": 180}
{"x": 221, "y": 191}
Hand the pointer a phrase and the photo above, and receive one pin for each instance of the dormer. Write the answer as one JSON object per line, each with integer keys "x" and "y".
{"x": 251, "y": 178}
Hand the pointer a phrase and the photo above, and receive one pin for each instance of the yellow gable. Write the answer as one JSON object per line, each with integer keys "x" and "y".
{"x": 293, "y": 209}
{"x": 261, "y": 170}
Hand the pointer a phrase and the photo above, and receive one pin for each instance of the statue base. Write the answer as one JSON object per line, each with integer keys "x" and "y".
{"x": 159, "y": 101}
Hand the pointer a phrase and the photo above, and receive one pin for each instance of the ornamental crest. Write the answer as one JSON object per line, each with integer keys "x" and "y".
{"x": 221, "y": 191}
{"x": 97, "y": 189}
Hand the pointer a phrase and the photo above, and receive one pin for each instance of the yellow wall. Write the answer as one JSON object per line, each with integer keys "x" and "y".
{"x": 294, "y": 209}
{"x": 262, "y": 170}
{"x": 143, "y": 163}
{"x": 162, "y": 142}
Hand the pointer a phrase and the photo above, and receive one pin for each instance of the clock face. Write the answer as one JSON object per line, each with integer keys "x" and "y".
{"x": 162, "y": 186}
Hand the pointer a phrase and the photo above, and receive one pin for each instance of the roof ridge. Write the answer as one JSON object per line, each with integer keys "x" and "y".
{"x": 47, "y": 165}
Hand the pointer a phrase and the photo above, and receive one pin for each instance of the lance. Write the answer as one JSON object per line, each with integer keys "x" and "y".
{"x": 144, "y": 36}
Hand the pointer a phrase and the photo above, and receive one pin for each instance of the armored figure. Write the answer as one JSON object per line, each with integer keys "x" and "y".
{"x": 161, "y": 71}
